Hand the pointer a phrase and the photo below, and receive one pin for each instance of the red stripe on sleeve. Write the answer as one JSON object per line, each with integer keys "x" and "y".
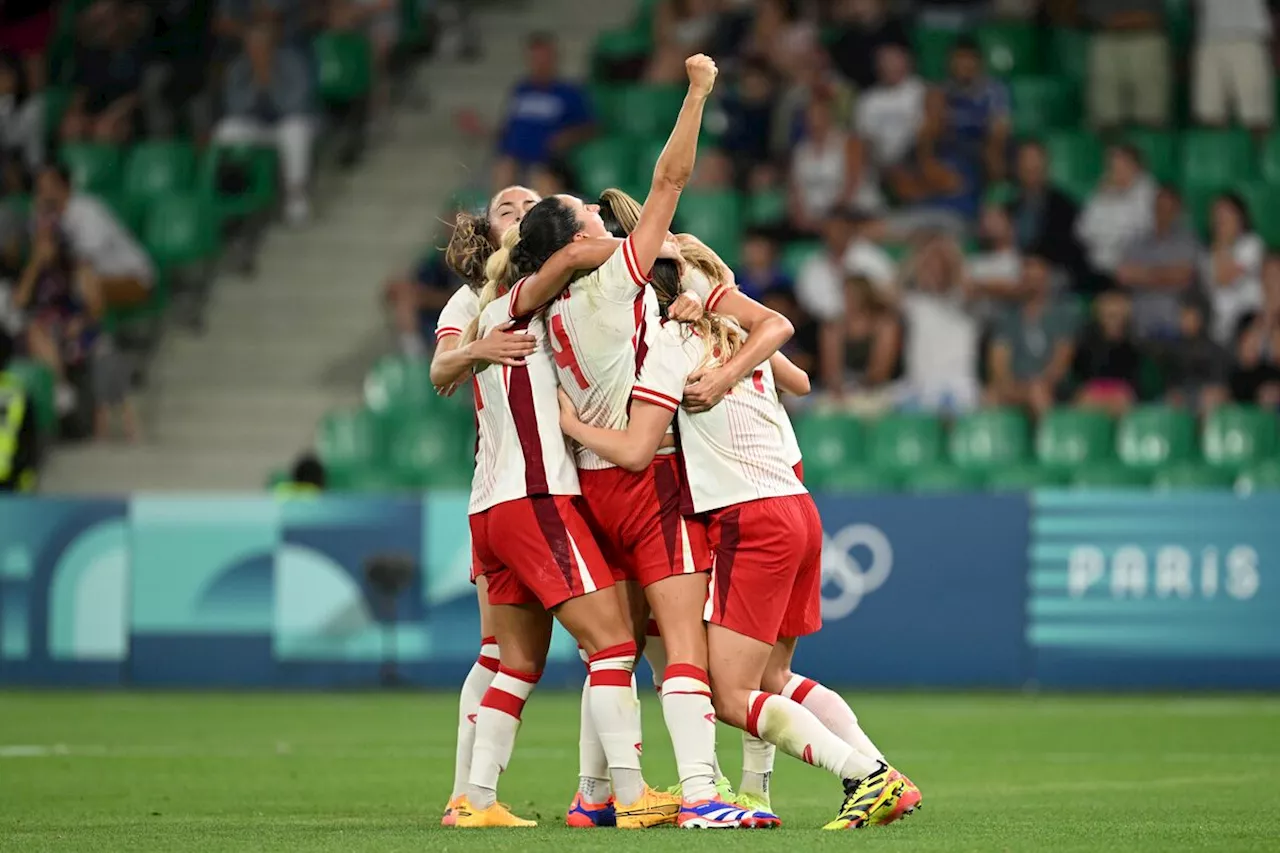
{"x": 716, "y": 295}
{"x": 633, "y": 263}
{"x": 446, "y": 331}
{"x": 663, "y": 399}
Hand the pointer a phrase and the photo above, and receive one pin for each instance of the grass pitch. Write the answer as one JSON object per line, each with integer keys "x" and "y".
{"x": 352, "y": 772}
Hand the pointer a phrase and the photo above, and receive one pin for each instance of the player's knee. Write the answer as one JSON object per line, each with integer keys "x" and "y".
{"x": 730, "y": 707}
{"x": 775, "y": 680}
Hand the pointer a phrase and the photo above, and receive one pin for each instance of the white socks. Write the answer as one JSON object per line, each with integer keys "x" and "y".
{"x": 496, "y": 725}
{"x": 473, "y": 688}
{"x": 616, "y": 714}
{"x": 593, "y": 766}
{"x": 757, "y": 766}
{"x": 686, "y": 707}
{"x": 833, "y": 711}
{"x": 800, "y": 734}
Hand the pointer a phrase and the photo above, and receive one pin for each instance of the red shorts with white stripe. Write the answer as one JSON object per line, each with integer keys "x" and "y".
{"x": 538, "y": 549}
{"x": 766, "y": 576}
{"x": 638, "y": 522}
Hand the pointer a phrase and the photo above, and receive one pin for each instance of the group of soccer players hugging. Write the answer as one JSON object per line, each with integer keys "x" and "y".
{"x": 633, "y": 461}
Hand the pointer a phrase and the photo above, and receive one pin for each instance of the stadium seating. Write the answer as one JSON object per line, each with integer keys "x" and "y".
{"x": 348, "y": 441}
{"x": 1263, "y": 476}
{"x": 345, "y": 64}
{"x": 427, "y": 452}
{"x": 1110, "y": 477}
{"x": 38, "y": 380}
{"x": 259, "y": 166}
{"x": 603, "y": 163}
{"x": 900, "y": 442}
{"x": 832, "y": 445}
{"x": 1159, "y": 149}
{"x": 1150, "y": 437}
{"x": 1022, "y": 477}
{"x": 649, "y": 111}
{"x": 1070, "y": 438}
{"x": 1216, "y": 160}
{"x": 94, "y": 167}
{"x": 1239, "y": 436}
{"x": 1043, "y": 103}
{"x": 994, "y": 438}
{"x": 158, "y": 167}
{"x": 716, "y": 217}
{"x": 1011, "y": 49}
{"x": 1191, "y": 475}
{"x": 940, "y": 478}
{"x": 855, "y": 479}
{"x": 1075, "y": 161}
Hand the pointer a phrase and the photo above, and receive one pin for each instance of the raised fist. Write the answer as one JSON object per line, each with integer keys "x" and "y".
{"x": 702, "y": 74}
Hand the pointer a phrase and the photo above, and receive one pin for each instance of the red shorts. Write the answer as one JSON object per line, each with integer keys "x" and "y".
{"x": 637, "y": 519}
{"x": 538, "y": 549}
{"x": 766, "y": 581}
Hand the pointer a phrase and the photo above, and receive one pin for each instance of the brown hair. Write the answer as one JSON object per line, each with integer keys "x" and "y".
{"x": 499, "y": 275}
{"x": 469, "y": 248}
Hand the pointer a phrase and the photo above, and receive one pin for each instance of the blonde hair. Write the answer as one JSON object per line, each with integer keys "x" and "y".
{"x": 721, "y": 336}
{"x": 499, "y": 275}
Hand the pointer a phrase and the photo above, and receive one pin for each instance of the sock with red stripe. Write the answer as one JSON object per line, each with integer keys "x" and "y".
{"x": 757, "y": 766}
{"x": 655, "y": 652}
{"x": 496, "y": 725}
{"x": 616, "y": 714}
{"x": 686, "y": 706}
{"x": 473, "y": 688}
{"x": 800, "y": 734}
{"x": 833, "y": 711}
{"x": 593, "y": 767}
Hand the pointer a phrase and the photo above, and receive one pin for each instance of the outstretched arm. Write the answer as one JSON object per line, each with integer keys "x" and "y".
{"x": 631, "y": 448}
{"x": 788, "y": 377}
{"x": 544, "y": 285}
{"x": 451, "y": 363}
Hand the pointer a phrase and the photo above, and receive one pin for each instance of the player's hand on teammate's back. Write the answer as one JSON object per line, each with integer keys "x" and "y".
{"x": 705, "y": 388}
{"x": 702, "y": 74}
{"x": 568, "y": 412}
{"x": 687, "y": 308}
{"x": 502, "y": 346}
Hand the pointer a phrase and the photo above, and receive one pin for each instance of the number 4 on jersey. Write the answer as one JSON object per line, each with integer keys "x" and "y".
{"x": 562, "y": 351}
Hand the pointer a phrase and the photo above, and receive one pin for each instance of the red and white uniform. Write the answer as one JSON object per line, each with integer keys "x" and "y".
{"x": 764, "y": 530}
{"x": 599, "y": 330}
{"x": 527, "y": 529}
{"x": 457, "y": 313}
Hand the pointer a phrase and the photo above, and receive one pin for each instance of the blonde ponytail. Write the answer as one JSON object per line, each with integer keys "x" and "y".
{"x": 499, "y": 275}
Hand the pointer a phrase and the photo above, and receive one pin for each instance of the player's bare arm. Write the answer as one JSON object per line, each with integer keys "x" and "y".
{"x": 632, "y": 448}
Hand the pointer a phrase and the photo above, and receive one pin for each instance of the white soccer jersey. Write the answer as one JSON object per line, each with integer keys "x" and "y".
{"x": 598, "y": 329}
{"x": 458, "y": 312}
{"x": 734, "y": 453}
{"x": 520, "y": 450}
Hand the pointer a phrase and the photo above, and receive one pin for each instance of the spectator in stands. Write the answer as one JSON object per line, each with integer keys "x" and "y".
{"x": 307, "y": 478}
{"x": 546, "y": 115}
{"x": 21, "y": 117}
{"x": 1257, "y": 374}
{"x": 268, "y": 89}
{"x": 549, "y": 179}
{"x": 1159, "y": 268}
{"x": 714, "y": 171}
{"x": 1030, "y": 354}
{"x": 1044, "y": 217}
{"x": 415, "y": 299}
{"x": 863, "y": 29}
{"x": 1232, "y": 65}
{"x": 826, "y": 172}
{"x": 111, "y": 55}
{"x": 860, "y": 353}
{"x": 681, "y": 28}
{"x": 749, "y": 109}
{"x": 1108, "y": 363}
{"x": 1129, "y": 63}
{"x": 781, "y": 36}
{"x": 175, "y": 86}
{"x": 760, "y": 273}
{"x": 890, "y": 114}
{"x": 1119, "y": 213}
{"x": 26, "y": 27}
{"x": 1196, "y": 368}
{"x": 846, "y": 251}
{"x": 995, "y": 273}
{"x": 19, "y": 441}
{"x": 111, "y": 267}
{"x": 940, "y": 358}
{"x": 1231, "y": 268}
{"x": 380, "y": 21}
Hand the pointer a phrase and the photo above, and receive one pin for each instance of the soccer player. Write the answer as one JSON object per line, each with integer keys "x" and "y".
{"x": 766, "y": 536}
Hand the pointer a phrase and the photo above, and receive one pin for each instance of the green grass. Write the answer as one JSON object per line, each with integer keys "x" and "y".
{"x": 347, "y": 772}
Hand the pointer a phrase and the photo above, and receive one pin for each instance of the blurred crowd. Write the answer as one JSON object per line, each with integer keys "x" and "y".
{"x": 944, "y": 267}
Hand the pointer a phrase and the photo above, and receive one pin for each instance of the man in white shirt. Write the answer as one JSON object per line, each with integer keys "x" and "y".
{"x": 820, "y": 282}
{"x": 891, "y": 113}
{"x": 109, "y": 258}
{"x": 1232, "y": 65}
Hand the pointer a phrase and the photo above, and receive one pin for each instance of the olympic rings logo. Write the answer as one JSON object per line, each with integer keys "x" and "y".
{"x": 844, "y": 572}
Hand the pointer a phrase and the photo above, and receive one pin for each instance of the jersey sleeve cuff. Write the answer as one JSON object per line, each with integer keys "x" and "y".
{"x": 515, "y": 297}
{"x": 446, "y": 332}
{"x": 657, "y": 398}
{"x": 632, "y": 264}
{"x": 719, "y": 292}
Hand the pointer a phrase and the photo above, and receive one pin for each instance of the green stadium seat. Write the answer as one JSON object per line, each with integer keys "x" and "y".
{"x": 856, "y": 479}
{"x": 1184, "y": 476}
{"x": 1239, "y": 436}
{"x": 1263, "y": 201}
{"x": 345, "y": 66}
{"x": 933, "y": 49}
{"x": 716, "y": 217}
{"x": 603, "y": 163}
{"x": 606, "y": 103}
{"x": 831, "y": 443}
{"x": 1010, "y": 49}
{"x": 130, "y": 210}
{"x": 277, "y": 477}
{"x": 1069, "y": 438}
{"x": 39, "y": 381}
{"x": 347, "y": 440}
{"x": 431, "y": 452}
{"x": 1261, "y": 477}
{"x": 989, "y": 439}
{"x": 259, "y": 166}
{"x": 1075, "y": 161}
{"x": 794, "y": 255}
{"x": 1110, "y": 477}
{"x": 1269, "y": 162}
{"x": 1160, "y": 151}
{"x": 900, "y": 442}
{"x": 1216, "y": 159}
{"x": 766, "y": 207}
{"x": 1043, "y": 103}
{"x": 1151, "y": 437}
{"x": 1069, "y": 53}
{"x": 649, "y": 111}
{"x": 156, "y": 167}
{"x": 414, "y": 30}
{"x": 1020, "y": 478}
{"x": 180, "y": 229}
{"x": 399, "y": 384}
{"x": 94, "y": 167}
{"x": 619, "y": 45}
{"x": 940, "y": 478}
{"x": 57, "y": 99}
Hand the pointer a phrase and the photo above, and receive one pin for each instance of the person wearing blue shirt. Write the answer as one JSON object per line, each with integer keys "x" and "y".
{"x": 546, "y": 115}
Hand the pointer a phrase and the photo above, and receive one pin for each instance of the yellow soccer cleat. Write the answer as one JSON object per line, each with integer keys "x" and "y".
{"x": 871, "y": 801}
{"x": 449, "y": 818}
{"x": 654, "y": 808}
{"x": 751, "y": 801}
{"x": 466, "y": 817}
